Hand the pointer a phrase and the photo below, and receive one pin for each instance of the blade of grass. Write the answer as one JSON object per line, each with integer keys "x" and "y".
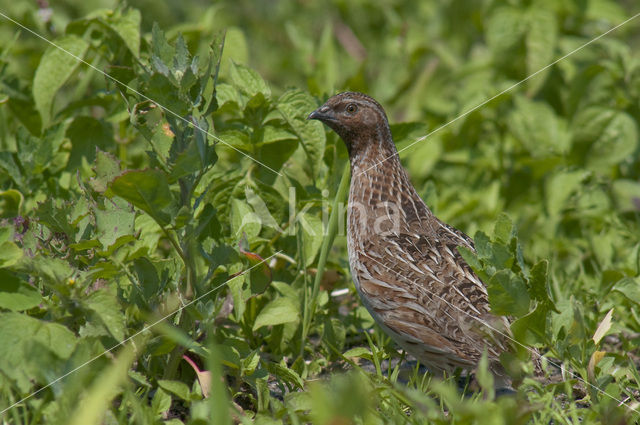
{"x": 219, "y": 399}
{"x": 105, "y": 387}
{"x": 327, "y": 243}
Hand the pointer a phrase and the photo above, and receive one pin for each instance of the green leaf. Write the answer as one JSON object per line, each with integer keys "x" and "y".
{"x": 244, "y": 220}
{"x": 295, "y": 105}
{"x": 161, "y": 402}
{"x": 98, "y": 398}
{"x": 114, "y": 221}
{"x": 17, "y": 329}
{"x": 630, "y": 288}
{"x": 108, "y": 310}
{"x": 88, "y": 137}
{"x": 106, "y": 168}
{"x": 541, "y": 41}
{"x": 276, "y": 312}
{"x": 11, "y": 201}
{"x": 15, "y": 294}
{"x": 616, "y": 143}
{"x": 504, "y": 30}
{"x": 538, "y": 281}
{"x": 147, "y": 190}
{"x": 10, "y": 254}
{"x": 127, "y": 25}
{"x": 312, "y": 236}
{"x": 539, "y": 140}
{"x": 530, "y": 329}
{"x": 503, "y": 229}
{"x": 248, "y": 81}
{"x": 175, "y": 387}
{"x": 626, "y": 194}
{"x": 559, "y": 187}
{"x": 55, "y": 68}
{"x": 508, "y": 294}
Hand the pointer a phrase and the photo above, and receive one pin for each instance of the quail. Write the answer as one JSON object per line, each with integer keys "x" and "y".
{"x": 404, "y": 261}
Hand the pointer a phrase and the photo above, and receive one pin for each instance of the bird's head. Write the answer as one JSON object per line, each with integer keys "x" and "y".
{"x": 357, "y": 118}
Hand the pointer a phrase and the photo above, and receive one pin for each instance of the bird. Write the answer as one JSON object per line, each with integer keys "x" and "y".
{"x": 404, "y": 261}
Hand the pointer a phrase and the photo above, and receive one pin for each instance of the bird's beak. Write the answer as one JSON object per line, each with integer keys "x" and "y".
{"x": 323, "y": 113}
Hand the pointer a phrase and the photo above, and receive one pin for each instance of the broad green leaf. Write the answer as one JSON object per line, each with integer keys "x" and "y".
{"x": 626, "y": 194}
{"x": 55, "y": 215}
{"x": 530, "y": 329}
{"x": 503, "y": 229}
{"x": 15, "y": 294}
{"x": 616, "y": 143}
{"x": 244, "y": 220}
{"x": 10, "y": 254}
{"x": 539, "y": 284}
{"x": 312, "y": 235}
{"x": 88, "y": 137}
{"x": 107, "y": 308}
{"x": 504, "y": 30}
{"x": 285, "y": 373}
{"x": 147, "y": 190}
{"x": 539, "y": 140}
{"x": 161, "y": 402}
{"x": 278, "y": 311}
{"x": 113, "y": 220}
{"x": 559, "y": 187}
{"x": 55, "y": 68}
{"x": 630, "y": 288}
{"x": 508, "y": 294}
{"x": 106, "y": 168}
{"x": 11, "y": 201}
{"x": 127, "y": 25}
{"x": 175, "y": 387}
{"x": 295, "y": 106}
{"x": 17, "y": 329}
{"x": 248, "y": 81}
{"x": 541, "y": 37}
{"x": 236, "y": 49}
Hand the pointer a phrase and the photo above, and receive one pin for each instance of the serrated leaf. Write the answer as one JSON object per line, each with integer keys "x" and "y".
{"x": 55, "y": 68}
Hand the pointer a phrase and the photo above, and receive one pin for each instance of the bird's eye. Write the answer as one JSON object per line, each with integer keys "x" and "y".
{"x": 351, "y": 108}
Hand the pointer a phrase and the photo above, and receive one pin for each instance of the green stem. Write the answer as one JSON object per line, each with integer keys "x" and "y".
{"x": 327, "y": 243}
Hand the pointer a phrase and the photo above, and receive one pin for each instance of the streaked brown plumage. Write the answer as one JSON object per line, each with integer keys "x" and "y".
{"x": 405, "y": 261}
